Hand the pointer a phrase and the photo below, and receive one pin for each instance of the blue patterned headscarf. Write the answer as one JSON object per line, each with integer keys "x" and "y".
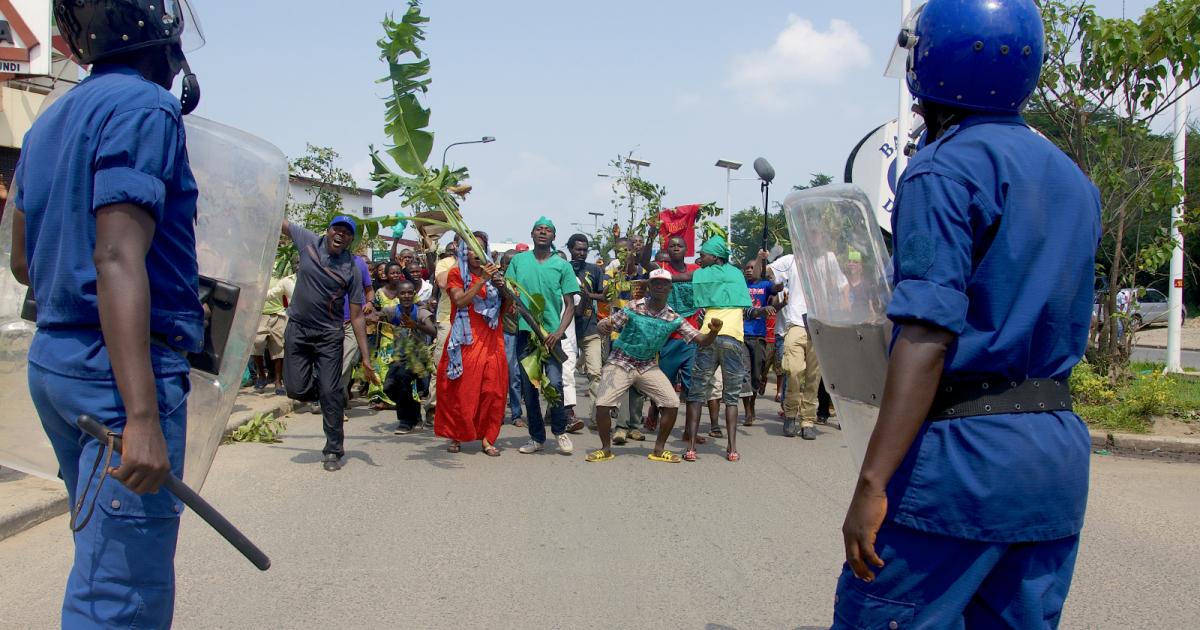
{"x": 460, "y": 329}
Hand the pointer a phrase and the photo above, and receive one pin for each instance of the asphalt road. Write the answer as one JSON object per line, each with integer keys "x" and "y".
{"x": 410, "y": 536}
{"x": 1189, "y": 358}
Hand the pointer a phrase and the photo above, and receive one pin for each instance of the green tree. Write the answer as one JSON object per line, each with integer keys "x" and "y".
{"x": 327, "y": 181}
{"x": 747, "y": 225}
{"x": 1105, "y": 80}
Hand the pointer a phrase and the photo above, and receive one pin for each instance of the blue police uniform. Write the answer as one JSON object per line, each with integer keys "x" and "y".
{"x": 995, "y": 234}
{"x": 114, "y": 138}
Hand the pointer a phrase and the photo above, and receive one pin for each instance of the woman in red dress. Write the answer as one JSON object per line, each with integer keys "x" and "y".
{"x": 472, "y": 376}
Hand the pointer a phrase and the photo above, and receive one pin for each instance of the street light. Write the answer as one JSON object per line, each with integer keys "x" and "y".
{"x": 730, "y": 166}
{"x": 483, "y": 140}
{"x": 596, "y": 217}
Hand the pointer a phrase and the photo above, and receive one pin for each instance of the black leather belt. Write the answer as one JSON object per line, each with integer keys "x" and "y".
{"x": 983, "y": 398}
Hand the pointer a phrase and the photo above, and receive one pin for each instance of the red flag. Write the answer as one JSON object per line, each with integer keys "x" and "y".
{"x": 680, "y": 221}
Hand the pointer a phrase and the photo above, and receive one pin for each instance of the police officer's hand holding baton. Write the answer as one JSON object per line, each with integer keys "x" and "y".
{"x": 189, "y": 497}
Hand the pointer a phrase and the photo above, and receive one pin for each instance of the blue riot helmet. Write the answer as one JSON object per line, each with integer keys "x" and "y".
{"x": 980, "y": 55}
{"x": 97, "y": 30}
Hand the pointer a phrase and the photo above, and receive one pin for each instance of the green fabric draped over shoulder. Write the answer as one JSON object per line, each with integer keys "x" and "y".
{"x": 720, "y": 286}
{"x": 681, "y": 299}
{"x": 643, "y": 336}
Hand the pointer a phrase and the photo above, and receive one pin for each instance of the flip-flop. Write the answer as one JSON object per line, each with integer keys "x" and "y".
{"x": 716, "y": 433}
{"x": 454, "y": 447}
{"x": 491, "y": 451}
{"x": 733, "y": 457}
{"x": 666, "y": 457}
{"x": 599, "y": 455}
{"x": 689, "y": 456}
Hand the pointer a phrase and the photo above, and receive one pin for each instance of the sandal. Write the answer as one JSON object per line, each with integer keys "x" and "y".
{"x": 599, "y": 456}
{"x": 666, "y": 457}
{"x": 454, "y": 447}
{"x": 491, "y": 451}
{"x": 733, "y": 457}
{"x": 749, "y": 422}
{"x": 716, "y": 433}
{"x": 520, "y": 424}
{"x": 689, "y": 456}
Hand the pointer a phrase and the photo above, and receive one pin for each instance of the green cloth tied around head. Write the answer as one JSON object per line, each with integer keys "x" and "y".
{"x": 716, "y": 246}
{"x": 720, "y": 286}
{"x": 543, "y": 221}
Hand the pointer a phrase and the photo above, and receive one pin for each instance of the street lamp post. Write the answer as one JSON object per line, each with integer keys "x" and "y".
{"x": 730, "y": 166}
{"x": 483, "y": 140}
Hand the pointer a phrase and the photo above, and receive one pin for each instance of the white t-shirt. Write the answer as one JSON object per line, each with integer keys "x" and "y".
{"x": 787, "y": 275}
{"x": 425, "y": 293}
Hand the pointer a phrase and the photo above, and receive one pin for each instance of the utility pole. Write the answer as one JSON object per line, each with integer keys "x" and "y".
{"x": 1175, "y": 290}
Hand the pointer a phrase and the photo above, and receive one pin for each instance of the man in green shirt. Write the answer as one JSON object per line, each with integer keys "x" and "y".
{"x": 539, "y": 272}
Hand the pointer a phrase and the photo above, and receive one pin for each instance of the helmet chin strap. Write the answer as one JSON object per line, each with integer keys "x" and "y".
{"x": 190, "y": 97}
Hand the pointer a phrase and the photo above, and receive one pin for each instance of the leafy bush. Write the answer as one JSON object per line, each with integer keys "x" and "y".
{"x": 1088, "y": 387}
{"x": 263, "y": 427}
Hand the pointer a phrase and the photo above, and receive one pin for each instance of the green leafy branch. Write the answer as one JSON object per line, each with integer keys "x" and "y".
{"x": 406, "y": 123}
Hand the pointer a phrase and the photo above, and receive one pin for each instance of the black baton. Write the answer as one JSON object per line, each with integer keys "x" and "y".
{"x": 189, "y": 498}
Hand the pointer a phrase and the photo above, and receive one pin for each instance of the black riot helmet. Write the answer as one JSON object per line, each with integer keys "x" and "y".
{"x": 100, "y": 29}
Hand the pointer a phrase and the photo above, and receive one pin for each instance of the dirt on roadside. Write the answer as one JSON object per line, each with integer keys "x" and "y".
{"x": 1156, "y": 335}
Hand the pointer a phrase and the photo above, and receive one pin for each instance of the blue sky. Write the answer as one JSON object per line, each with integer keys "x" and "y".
{"x": 566, "y": 86}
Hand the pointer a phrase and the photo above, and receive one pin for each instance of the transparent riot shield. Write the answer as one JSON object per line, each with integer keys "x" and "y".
{"x": 846, "y": 274}
{"x": 243, "y": 194}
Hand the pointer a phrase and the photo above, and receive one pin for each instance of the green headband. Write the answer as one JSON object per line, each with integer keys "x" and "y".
{"x": 543, "y": 221}
{"x": 854, "y": 256}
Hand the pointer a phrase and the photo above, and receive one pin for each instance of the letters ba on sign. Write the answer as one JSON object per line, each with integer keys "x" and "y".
{"x": 25, "y": 37}
{"x": 872, "y": 165}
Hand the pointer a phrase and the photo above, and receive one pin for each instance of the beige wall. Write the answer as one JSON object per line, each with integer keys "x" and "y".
{"x": 18, "y": 108}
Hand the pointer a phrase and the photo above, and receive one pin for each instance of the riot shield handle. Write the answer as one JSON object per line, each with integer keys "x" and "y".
{"x": 189, "y": 497}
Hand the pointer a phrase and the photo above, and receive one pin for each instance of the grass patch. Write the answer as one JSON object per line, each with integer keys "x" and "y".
{"x": 1131, "y": 407}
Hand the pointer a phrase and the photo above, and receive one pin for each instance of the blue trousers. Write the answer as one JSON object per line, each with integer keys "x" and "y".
{"x": 533, "y": 402}
{"x": 675, "y": 360}
{"x": 124, "y": 570}
{"x": 514, "y": 376}
{"x": 937, "y": 582}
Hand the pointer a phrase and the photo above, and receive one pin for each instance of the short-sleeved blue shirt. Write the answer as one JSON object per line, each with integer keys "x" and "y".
{"x": 995, "y": 234}
{"x": 760, "y": 296}
{"x": 114, "y": 138}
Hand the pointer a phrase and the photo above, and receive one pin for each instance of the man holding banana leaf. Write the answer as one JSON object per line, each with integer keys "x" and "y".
{"x": 547, "y": 284}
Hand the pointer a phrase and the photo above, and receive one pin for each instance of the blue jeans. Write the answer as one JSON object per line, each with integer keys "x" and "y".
{"x": 514, "y": 376}
{"x": 123, "y": 574}
{"x": 727, "y": 354}
{"x": 533, "y": 402}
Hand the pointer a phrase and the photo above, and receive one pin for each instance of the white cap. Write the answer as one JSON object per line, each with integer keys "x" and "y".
{"x": 660, "y": 274}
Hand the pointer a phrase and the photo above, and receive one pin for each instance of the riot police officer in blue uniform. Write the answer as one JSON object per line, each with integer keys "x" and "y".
{"x": 970, "y": 501}
{"x": 104, "y": 234}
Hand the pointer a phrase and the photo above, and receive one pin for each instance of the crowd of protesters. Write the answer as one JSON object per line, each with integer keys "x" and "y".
{"x": 435, "y": 337}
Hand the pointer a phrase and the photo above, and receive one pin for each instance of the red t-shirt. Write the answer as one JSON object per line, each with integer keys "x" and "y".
{"x": 694, "y": 319}
{"x": 680, "y": 221}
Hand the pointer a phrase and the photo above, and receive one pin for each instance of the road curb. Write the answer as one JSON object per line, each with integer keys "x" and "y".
{"x": 38, "y": 501}
{"x": 280, "y": 409}
{"x": 1146, "y": 444}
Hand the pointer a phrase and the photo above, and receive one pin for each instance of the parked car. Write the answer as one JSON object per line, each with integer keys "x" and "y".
{"x": 1150, "y": 308}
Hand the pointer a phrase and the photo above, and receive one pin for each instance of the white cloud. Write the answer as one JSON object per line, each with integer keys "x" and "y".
{"x": 800, "y": 57}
